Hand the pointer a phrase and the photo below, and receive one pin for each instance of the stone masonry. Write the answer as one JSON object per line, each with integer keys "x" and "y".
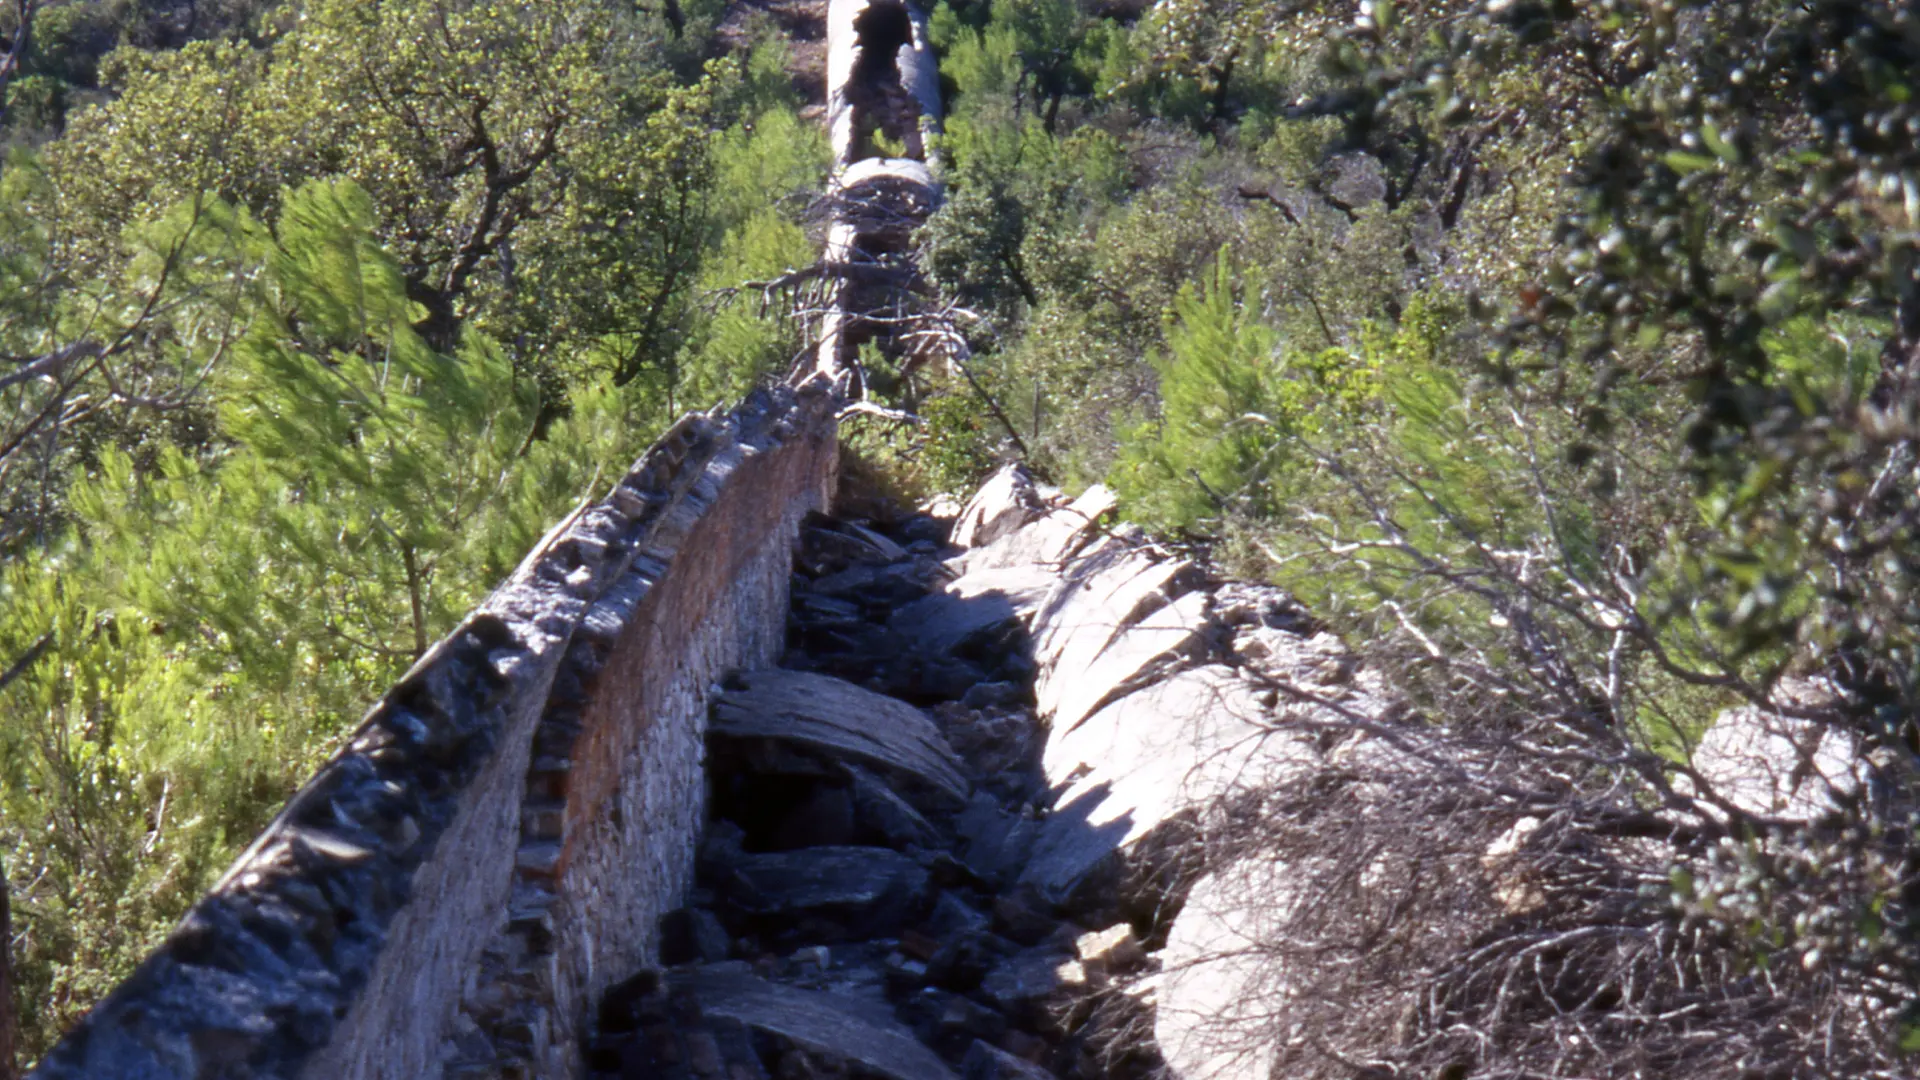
{"x": 540, "y": 757}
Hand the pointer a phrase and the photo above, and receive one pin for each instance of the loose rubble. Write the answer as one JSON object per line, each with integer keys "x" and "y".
{"x": 945, "y": 835}
{"x": 875, "y": 805}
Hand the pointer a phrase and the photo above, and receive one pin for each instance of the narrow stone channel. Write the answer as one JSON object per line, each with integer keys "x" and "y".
{"x": 873, "y": 803}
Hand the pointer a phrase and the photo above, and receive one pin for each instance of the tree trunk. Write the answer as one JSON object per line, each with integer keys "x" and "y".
{"x": 416, "y": 587}
{"x": 9, "y": 1025}
{"x": 1223, "y": 78}
{"x": 16, "y": 55}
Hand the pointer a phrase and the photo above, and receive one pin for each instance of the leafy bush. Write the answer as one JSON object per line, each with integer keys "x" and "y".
{"x": 215, "y": 623}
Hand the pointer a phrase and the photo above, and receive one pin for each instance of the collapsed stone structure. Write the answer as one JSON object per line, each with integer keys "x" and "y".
{"x": 882, "y": 84}
{"x": 955, "y": 795}
{"x": 978, "y": 885}
{"x": 717, "y": 784}
{"x": 541, "y": 760}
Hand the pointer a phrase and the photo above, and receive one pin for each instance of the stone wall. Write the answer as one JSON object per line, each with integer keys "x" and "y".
{"x": 882, "y": 80}
{"x": 495, "y": 842}
{"x": 614, "y": 786}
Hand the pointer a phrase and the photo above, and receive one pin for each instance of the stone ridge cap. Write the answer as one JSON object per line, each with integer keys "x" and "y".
{"x": 664, "y": 473}
{"x": 257, "y": 974}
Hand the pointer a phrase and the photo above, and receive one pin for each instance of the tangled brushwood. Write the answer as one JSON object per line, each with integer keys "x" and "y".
{"x": 1439, "y": 904}
{"x": 1636, "y": 550}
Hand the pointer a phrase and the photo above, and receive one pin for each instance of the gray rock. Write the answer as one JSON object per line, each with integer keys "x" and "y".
{"x": 885, "y": 548}
{"x": 1032, "y": 977}
{"x": 1243, "y": 603}
{"x": 693, "y": 935}
{"x": 867, "y": 584}
{"x": 877, "y": 807}
{"x": 987, "y": 695}
{"x": 1020, "y": 917}
{"x": 970, "y": 607}
{"x": 833, "y": 548}
{"x": 984, "y": 1062}
{"x": 952, "y": 917}
{"x": 1000, "y": 744}
{"x": 817, "y": 1022}
{"x": 940, "y": 677}
{"x": 903, "y": 973}
{"x": 820, "y": 610}
{"x": 966, "y": 958}
{"x": 842, "y": 721}
{"x": 960, "y": 1016}
{"x": 927, "y": 527}
{"x": 994, "y": 843}
{"x": 1321, "y": 660}
{"x": 872, "y": 888}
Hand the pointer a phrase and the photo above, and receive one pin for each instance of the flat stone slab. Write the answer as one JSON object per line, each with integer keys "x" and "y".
{"x": 841, "y": 721}
{"x": 1075, "y": 689}
{"x": 819, "y": 1022}
{"x": 1049, "y": 541}
{"x": 1142, "y": 761}
{"x": 1032, "y": 976}
{"x": 993, "y": 841}
{"x": 879, "y": 808}
{"x": 971, "y": 605}
{"x": 870, "y": 883}
{"x": 1093, "y": 604}
{"x": 986, "y": 1062}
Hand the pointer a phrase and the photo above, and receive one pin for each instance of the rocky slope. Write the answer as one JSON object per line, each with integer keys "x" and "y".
{"x": 947, "y": 834}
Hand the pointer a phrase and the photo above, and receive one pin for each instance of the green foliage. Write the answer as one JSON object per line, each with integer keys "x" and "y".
{"x": 1224, "y": 403}
{"x": 744, "y": 343}
{"x": 216, "y": 623}
{"x": 960, "y": 442}
{"x": 247, "y": 473}
{"x": 1037, "y": 53}
{"x": 506, "y": 150}
{"x": 1014, "y": 229}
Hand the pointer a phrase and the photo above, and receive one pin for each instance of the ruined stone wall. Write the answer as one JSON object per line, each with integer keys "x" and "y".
{"x": 881, "y": 77}
{"x": 496, "y": 840}
{"x": 614, "y": 787}
{"x": 882, "y": 81}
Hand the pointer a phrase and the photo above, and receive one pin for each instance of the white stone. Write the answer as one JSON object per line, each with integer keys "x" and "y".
{"x": 1216, "y": 990}
{"x": 1007, "y": 501}
{"x": 1775, "y": 766}
{"x": 1145, "y": 759}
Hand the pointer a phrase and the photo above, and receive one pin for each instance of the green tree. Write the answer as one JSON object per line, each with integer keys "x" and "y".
{"x": 1222, "y": 397}
{"x": 470, "y": 125}
{"x": 212, "y": 622}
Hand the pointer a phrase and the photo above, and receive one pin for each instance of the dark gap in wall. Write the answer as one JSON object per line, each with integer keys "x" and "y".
{"x": 882, "y": 103}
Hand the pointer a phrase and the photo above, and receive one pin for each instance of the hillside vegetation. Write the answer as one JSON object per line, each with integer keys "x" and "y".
{"x": 1563, "y": 353}
{"x": 316, "y": 316}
